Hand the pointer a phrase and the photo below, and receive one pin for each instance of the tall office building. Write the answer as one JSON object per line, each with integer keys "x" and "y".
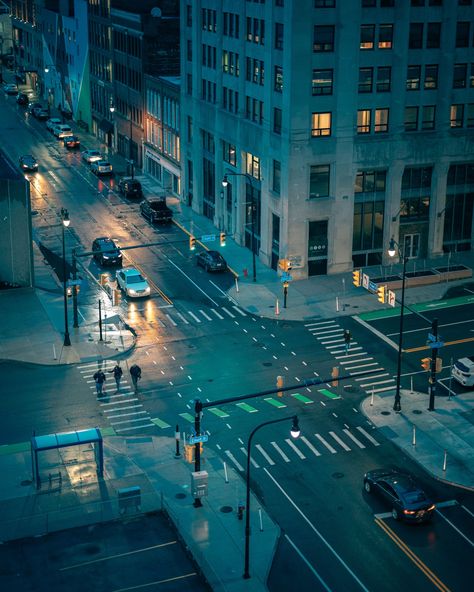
{"x": 339, "y": 123}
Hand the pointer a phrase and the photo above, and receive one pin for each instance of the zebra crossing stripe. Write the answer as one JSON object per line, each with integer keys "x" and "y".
{"x": 353, "y": 438}
{"x": 114, "y": 423}
{"x": 232, "y": 316}
{"x": 351, "y": 355}
{"x": 119, "y": 402}
{"x": 234, "y": 460}
{"x": 361, "y": 360}
{"x": 197, "y": 319}
{"x": 148, "y": 425}
{"x": 295, "y": 448}
{"x": 310, "y": 446}
{"x": 325, "y": 334}
{"x": 340, "y": 442}
{"x": 385, "y": 388}
{"x": 237, "y": 309}
{"x": 363, "y": 366}
{"x": 126, "y": 414}
{"x": 369, "y": 384}
{"x": 264, "y": 454}
{"x": 185, "y": 321}
{"x": 320, "y": 323}
{"x": 368, "y": 436}
{"x": 172, "y": 321}
{"x": 122, "y": 408}
{"x": 338, "y": 341}
{"x": 372, "y": 376}
{"x": 280, "y": 451}
{"x": 352, "y": 349}
{"x": 218, "y": 314}
{"x": 206, "y": 316}
{"x": 323, "y": 441}
{"x": 257, "y": 466}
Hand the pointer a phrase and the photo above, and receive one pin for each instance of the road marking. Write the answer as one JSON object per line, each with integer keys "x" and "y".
{"x": 295, "y": 448}
{"x": 332, "y": 341}
{"x": 237, "y": 309}
{"x": 361, "y": 366}
{"x": 466, "y": 538}
{"x": 187, "y": 417}
{"x": 148, "y": 425}
{"x": 131, "y": 420}
{"x": 325, "y": 334}
{"x": 197, "y": 319}
{"x": 246, "y": 407}
{"x": 193, "y": 282}
{"x": 302, "y": 398}
{"x": 316, "y": 531}
{"x": 446, "y": 343}
{"x": 185, "y": 321}
{"x": 122, "y": 408}
{"x": 232, "y": 316}
{"x": 381, "y": 390}
{"x": 319, "y": 323}
{"x": 340, "y": 351}
{"x": 218, "y": 412}
{"x": 328, "y": 446}
{"x": 160, "y": 423}
{"x": 126, "y": 414}
{"x": 116, "y": 402}
{"x": 274, "y": 402}
{"x": 369, "y": 384}
{"x": 234, "y": 460}
{"x": 244, "y": 450}
{"x": 310, "y": 446}
{"x": 374, "y": 376}
{"x": 171, "y": 320}
{"x": 280, "y": 451}
{"x": 264, "y": 454}
{"x": 308, "y": 565}
{"x": 340, "y": 442}
{"x": 376, "y": 332}
{"x": 368, "y": 436}
{"x": 329, "y": 394}
{"x": 345, "y": 356}
{"x": 206, "y": 316}
{"x": 218, "y": 314}
{"x": 353, "y": 438}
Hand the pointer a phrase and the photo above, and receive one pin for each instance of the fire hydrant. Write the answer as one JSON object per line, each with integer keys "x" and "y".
{"x": 240, "y": 511}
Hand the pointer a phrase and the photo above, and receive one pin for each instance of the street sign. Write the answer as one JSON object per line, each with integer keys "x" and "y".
{"x": 435, "y": 344}
{"x": 208, "y": 238}
{"x": 372, "y": 287}
{"x": 196, "y": 439}
{"x": 436, "y": 339}
{"x": 74, "y": 283}
{"x": 391, "y": 297}
{"x": 286, "y": 277}
{"x": 365, "y": 281}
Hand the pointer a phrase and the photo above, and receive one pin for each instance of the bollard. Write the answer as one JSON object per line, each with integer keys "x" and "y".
{"x": 260, "y": 518}
{"x": 225, "y": 473}
{"x": 411, "y": 385}
{"x": 177, "y": 436}
{"x": 445, "y": 461}
{"x": 277, "y": 308}
{"x": 54, "y": 352}
{"x": 413, "y": 441}
{"x": 236, "y": 285}
{"x": 372, "y": 398}
{"x": 337, "y": 304}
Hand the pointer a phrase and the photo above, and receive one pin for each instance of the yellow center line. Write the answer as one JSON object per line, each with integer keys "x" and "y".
{"x": 423, "y": 347}
{"x": 412, "y": 556}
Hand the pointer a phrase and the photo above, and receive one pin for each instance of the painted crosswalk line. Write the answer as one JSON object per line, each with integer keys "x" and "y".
{"x": 229, "y": 455}
{"x": 280, "y": 452}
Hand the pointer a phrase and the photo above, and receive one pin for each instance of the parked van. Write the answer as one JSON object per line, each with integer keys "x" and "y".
{"x": 463, "y": 371}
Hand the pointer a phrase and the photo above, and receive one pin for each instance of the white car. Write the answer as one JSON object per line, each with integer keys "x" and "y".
{"x": 463, "y": 371}
{"x": 91, "y": 156}
{"x": 101, "y": 167}
{"x": 133, "y": 283}
{"x": 52, "y": 122}
{"x": 62, "y": 130}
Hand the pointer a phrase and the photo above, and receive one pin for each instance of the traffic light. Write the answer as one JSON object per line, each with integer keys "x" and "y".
{"x": 439, "y": 364}
{"x": 222, "y": 239}
{"x": 334, "y": 375}
{"x": 189, "y": 453}
{"x": 357, "y": 278}
{"x": 381, "y": 293}
{"x": 192, "y": 242}
{"x": 425, "y": 363}
{"x": 284, "y": 264}
{"x": 280, "y": 385}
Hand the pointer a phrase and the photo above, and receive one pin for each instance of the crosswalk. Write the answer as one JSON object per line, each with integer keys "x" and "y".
{"x": 308, "y": 446}
{"x": 355, "y": 361}
{"x": 172, "y": 317}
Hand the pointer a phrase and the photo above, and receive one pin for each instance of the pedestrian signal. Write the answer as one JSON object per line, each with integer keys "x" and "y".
{"x": 381, "y": 290}
{"x": 280, "y": 385}
{"x": 192, "y": 243}
{"x": 439, "y": 364}
{"x": 334, "y": 375}
{"x": 357, "y": 278}
{"x": 189, "y": 453}
{"x": 425, "y": 363}
{"x": 222, "y": 239}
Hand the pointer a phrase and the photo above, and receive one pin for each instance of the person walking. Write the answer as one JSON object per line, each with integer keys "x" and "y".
{"x": 347, "y": 339}
{"x": 118, "y": 373}
{"x": 99, "y": 378}
{"x": 136, "y": 374}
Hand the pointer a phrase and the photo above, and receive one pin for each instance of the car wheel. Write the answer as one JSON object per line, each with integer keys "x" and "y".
{"x": 367, "y": 487}
{"x": 395, "y": 514}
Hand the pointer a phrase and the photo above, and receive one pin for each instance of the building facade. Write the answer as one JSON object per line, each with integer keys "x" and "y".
{"x": 339, "y": 124}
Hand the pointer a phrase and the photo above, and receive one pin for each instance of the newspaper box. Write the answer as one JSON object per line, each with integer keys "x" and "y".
{"x": 199, "y": 483}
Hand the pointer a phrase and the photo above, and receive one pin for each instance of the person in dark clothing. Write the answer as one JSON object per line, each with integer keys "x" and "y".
{"x": 99, "y": 378}
{"x": 347, "y": 339}
{"x": 118, "y": 373}
{"x": 136, "y": 374}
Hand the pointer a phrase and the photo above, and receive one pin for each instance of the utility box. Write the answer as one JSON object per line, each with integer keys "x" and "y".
{"x": 199, "y": 484}
{"x": 129, "y": 497}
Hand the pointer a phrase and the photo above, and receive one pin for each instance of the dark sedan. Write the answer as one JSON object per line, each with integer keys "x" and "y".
{"x": 211, "y": 261}
{"x": 28, "y": 163}
{"x": 71, "y": 142}
{"x": 106, "y": 251}
{"x": 406, "y": 498}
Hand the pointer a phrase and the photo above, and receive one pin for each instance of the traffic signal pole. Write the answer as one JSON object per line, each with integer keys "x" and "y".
{"x": 434, "y": 355}
{"x": 197, "y": 447}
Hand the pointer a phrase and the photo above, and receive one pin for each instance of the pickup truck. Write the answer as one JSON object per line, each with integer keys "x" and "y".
{"x": 156, "y": 210}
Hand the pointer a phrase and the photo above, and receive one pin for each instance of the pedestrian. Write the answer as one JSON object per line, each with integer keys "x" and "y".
{"x": 136, "y": 374}
{"x": 99, "y": 378}
{"x": 347, "y": 339}
{"x": 117, "y": 372}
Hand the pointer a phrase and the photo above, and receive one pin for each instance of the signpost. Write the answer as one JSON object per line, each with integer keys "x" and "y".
{"x": 391, "y": 298}
{"x": 365, "y": 281}
{"x": 196, "y": 439}
{"x": 208, "y": 238}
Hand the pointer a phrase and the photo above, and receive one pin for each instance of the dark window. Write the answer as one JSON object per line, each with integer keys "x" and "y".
{"x": 435, "y": 3}
{"x": 189, "y": 50}
{"x": 370, "y": 181}
{"x": 277, "y": 116}
{"x": 368, "y": 226}
{"x": 385, "y": 36}
{"x": 367, "y": 35}
{"x": 428, "y": 117}
{"x": 365, "y": 79}
{"x": 465, "y": 2}
{"x": 411, "y": 119}
{"x": 369, "y": 3}
{"x": 417, "y": 2}
{"x": 431, "y": 76}
{"x": 324, "y": 3}
{"x": 416, "y": 36}
{"x": 462, "y": 34}
{"x": 276, "y": 182}
{"x": 322, "y": 82}
{"x": 470, "y": 115}
{"x": 459, "y": 75}
{"x": 319, "y": 181}
{"x": 413, "y": 77}
{"x": 386, "y": 3}
{"x": 323, "y": 38}
{"x": 384, "y": 74}
{"x": 189, "y": 15}
{"x": 278, "y": 36}
{"x": 433, "y": 35}
{"x": 229, "y": 153}
{"x": 471, "y": 77}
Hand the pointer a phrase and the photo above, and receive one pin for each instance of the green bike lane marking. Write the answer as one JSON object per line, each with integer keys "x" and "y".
{"x": 329, "y": 394}
{"x": 274, "y": 402}
{"x": 419, "y": 307}
{"x": 246, "y": 407}
{"x": 160, "y": 423}
{"x": 302, "y": 398}
{"x": 218, "y": 412}
{"x": 15, "y": 448}
{"x": 187, "y": 417}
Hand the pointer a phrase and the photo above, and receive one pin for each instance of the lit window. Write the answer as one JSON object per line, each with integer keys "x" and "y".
{"x": 363, "y": 121}
{"x": 431, "y": 76}
{"x": 367, "y": 34}
{"x": 381, "y": 121}
{"x": 385, "y": 36}
{"x": 321, "y": 124}
{"x": 457, "y": 114}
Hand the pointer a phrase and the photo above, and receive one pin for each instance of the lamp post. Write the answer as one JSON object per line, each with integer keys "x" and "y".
{"x": 295, "y": 432}
{"x": 112, "y": 111}
{"x": 65, "y": 223}
{"x": 225, "y": 182}
{"x": 392, "y": 251}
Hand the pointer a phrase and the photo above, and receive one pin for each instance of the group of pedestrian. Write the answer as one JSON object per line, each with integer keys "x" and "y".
{"x": 99, "y": 377}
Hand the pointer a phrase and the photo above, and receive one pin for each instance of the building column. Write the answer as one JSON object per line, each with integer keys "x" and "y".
{"x": 391, "y": 225}
{"x": 439, "y": 183}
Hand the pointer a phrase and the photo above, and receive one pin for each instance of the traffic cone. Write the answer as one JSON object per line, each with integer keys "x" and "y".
{"x": 277, "y": 308}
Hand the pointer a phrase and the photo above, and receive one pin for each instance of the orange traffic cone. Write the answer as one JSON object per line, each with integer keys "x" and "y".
{"x": 277, "y": 308}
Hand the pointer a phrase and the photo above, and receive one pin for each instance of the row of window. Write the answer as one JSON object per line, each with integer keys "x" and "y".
{"x": 388, "y": 3}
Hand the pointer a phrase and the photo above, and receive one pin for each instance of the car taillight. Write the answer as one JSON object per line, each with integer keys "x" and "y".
{"x": 431, "y": 508}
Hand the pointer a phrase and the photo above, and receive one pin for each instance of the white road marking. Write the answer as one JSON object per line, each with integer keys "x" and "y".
{"x": 340, "y": 442}
{"x": 197, "y": 319}
{"x": 237, "y": 309}
{"x": 264, "y": 454}
{"x": 148, "y": 425}
{"x": 206, "y": 316}
{"x": 368, "y": 436}
{"x": 369, "y": 384}
{"x": 228, "y": 312}
{"x": 385, "y": 388}
{"x": 115, "y": 402}
{"x": 308, "y": 565}
{"x": 325, "y": 334}
{"x": 360, "y": 360}
{"x": 122, "y": 408}
{"x": 126, "y": 414}
{"x": 130, "y": 420}
{"x": 338, "y": 340}
{"x": 185, "y": 321}
{"x": 171, "y": 320}
{"x": 319, "y": 323}
{"x": 295, "y": 448}
{"x": 244, "y": 450}
{"x": 351, "y": 349}
{"x": 323, "y": 441}
{"x": 280, "y": 451}
{"x": 465, "y": 537}
{"x": 376, "y": 332}
{"x": 363, "y": 371}
{"x": 193, "y": 282}
{"x": 310, "y": 446}
{"x": 352, "y": 355}
{"x": 218, "y": 314}
{"x": 353, "y": 438}
{"x": 234, "y": 460}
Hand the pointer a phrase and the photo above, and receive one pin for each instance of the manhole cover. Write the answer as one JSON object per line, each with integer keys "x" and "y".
{"x": 226, "y": 509}
{"x": 180, "y": 496}
{"x": 417, "y": 411}
{"x": 267, "y": 364}
{"x": 385, "y": 413}
{"x": 338, "y": 475}
{"x": 25, "y": 483}
{"x": 92, "y": 549}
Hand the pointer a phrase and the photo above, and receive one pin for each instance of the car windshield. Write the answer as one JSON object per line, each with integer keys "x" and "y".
{"x": 107, "y": 246}
{"x": 135, "y": 279}
{"x": 157, "y": 205}
{"x": 104, "y": 163}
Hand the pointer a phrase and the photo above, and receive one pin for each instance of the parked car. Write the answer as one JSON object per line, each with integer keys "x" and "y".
{"x": 42, "y": 114}
{"x": 133, "y": 283}
{"x": 22, "y": 99}
{"x": 106, "y": 251}
{"x": 10, "y": 89}
{"x": 52, "y": 123}
{"x": 33, "y": 108}
{"x": 156, "y": 210}
{"x": 211, "y": 261}
{"x": 62, "y": 130}
{"x": 28, "y": 163}
{"x": 405, "y": 497}
{"x": 71, "y": 142}
{"x": 130, "y": 187}
{"x": 463, "y": 371}
{"x": 91, "y": 156}
{"x": 101, "y": 167}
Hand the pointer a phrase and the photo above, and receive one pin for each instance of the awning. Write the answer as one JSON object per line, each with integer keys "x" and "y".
{"x": 106, "y": 126}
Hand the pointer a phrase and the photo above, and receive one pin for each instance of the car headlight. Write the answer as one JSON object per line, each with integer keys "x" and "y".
{"x": 106, "y": 256}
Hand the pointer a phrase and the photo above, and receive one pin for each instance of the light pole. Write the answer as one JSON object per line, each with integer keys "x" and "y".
{"x": 392, "y": 251}
{"x": 295, "y": 432}
{"x": 225, "y": 182}
{"x": 65, "y": 223}
{"x": 112, "y": 111}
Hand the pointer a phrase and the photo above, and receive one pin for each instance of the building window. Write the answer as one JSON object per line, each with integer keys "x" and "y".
{"x": 323, "y": 38}
{"x": 459, "y": 208}
{"x": 230, "y": 99}
{"x": 470, "y": 115}
{"x": 367, "y": 35}
{"x": 457, "y": 115}
{"x": 324, "y": 3}
{"x": 189, "y": 15}
{"x": 381, "y": 121}
{"x": 190, "y": 129}
{"x": 370, "y": 182}
{"x": 254, "y": 110}
{"x": 365, "y": 80}
{"x": 189, "y": 50}
{"x": 411, "y": 119}
{"x": 367, "y": 234}
{"x": 276, "y": 177}
{"x": 319, "y": 181}
{"x": 320, "y": 124}
{"x": 189, "y": 84}
{"x": 462, "y": 34}
{"x": 252, "y": 165}
{"x": 413, "y": 77}
{"x": 229, "y": 153}
{"x": 322, "y": 82}
{"x": 428, "y": 117}
{"x": 231, "y": 25}
{"x": 208, "y": 20}
{"x": 255, "y": 71}
{"x": 255, "y": 30}
{"x": 384, "y": 75}
{"x": 459, "y": 75}
{"x": 471, "y": 77}
{"x": 416, "y": 189}
{"x": 415, "y": 40}
{"x": 363, "y": 121}
{"x": 431, "y": 77}
{"x": 278, "y": 82}
{"x": 433, "y": 36}
{"x": 278, "y": 36}
{"x": 277, "y": 117}
{"x": 385, "y": 36}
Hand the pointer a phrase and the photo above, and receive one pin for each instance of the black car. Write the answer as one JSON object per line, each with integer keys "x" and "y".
{"x": 106, "y": 251}
{"x": 28, "y": 163}
{"x": 211, "y": 261}
{"x": 406, "y": 498}
{"x": 130, "y": 187}
{"x": 156, "y": 210}
{"x": 71, "y": 142}
{"x": 33, "y": 108}
{"x": 22, "y": 99}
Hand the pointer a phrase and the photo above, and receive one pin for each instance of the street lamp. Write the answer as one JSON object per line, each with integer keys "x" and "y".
{"x": 225, "y": 182}
{"x": 65, "y": 223}
{"x": 392, "y": 250}
{"x": 295, "y": 432}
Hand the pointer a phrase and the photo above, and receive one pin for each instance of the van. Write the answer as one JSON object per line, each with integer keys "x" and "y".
{"x": 463, "y": 371}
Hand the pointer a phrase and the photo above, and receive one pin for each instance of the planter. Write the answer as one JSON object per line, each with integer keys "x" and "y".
{"x": 455, "y": 272}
